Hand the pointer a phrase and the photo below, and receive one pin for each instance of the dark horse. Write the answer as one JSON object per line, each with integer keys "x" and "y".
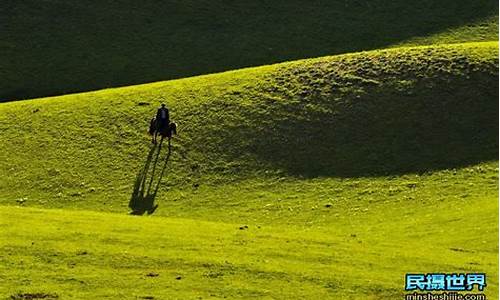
{"x": 165, "y": 132}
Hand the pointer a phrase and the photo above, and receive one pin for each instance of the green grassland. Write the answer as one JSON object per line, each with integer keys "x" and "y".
{"x": 55, "y": 47}
{"x": 481, "y": 30}
{"x": 373, "y": 113}
{"x": 361, "y": 254}
{"x": 329, "y": 177}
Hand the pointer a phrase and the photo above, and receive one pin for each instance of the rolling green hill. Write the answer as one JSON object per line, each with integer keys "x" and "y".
{"x": 329, "y": 177}
{"x": 55, "y": 47}
{"x": 373, "y": 113}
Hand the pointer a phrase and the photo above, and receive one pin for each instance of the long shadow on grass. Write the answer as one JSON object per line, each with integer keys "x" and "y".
{"x": 145, "y": 189}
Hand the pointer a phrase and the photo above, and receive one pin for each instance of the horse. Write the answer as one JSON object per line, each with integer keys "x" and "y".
{"x": 166, "y": 132}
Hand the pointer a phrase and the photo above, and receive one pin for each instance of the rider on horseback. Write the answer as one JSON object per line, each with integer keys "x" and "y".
{"x": 162, "y": 118}
{"x": 161, "y": 124}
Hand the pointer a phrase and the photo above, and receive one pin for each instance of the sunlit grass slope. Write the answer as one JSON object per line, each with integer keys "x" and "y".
{"x": 55, "y": 47}
{"x": 363, "y": 254}
{"x": 480, "y": 30}
{"x": 366, "y": 114}
{"x": 322, "y": 178}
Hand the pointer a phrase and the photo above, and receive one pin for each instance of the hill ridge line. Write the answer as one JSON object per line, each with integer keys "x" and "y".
{"x": 312, "y": 59}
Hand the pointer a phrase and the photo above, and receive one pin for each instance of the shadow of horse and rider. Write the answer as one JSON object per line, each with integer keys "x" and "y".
{"x": 149, "y": 178}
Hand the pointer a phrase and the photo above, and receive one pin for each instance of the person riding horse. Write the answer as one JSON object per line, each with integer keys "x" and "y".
{"x": 162, "y": 118}
{"x": 161, "y": 124}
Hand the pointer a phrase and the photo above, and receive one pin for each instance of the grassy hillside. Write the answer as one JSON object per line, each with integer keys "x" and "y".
{"x": 363, "y": 254}
{"x": 55, "y": 47}
{"x": 481, "y": 30}
{"x": 321, "y": 178}
{"x": 367, "y": 114}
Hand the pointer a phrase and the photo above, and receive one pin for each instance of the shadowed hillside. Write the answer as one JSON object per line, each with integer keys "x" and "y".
{"x": 328, "y": 177}
{"x": 56, "y": 47}
{"x": 371, "y": 113}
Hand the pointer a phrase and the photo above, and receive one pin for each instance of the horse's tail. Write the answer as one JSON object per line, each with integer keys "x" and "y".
{"x": 173, "y": 128}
